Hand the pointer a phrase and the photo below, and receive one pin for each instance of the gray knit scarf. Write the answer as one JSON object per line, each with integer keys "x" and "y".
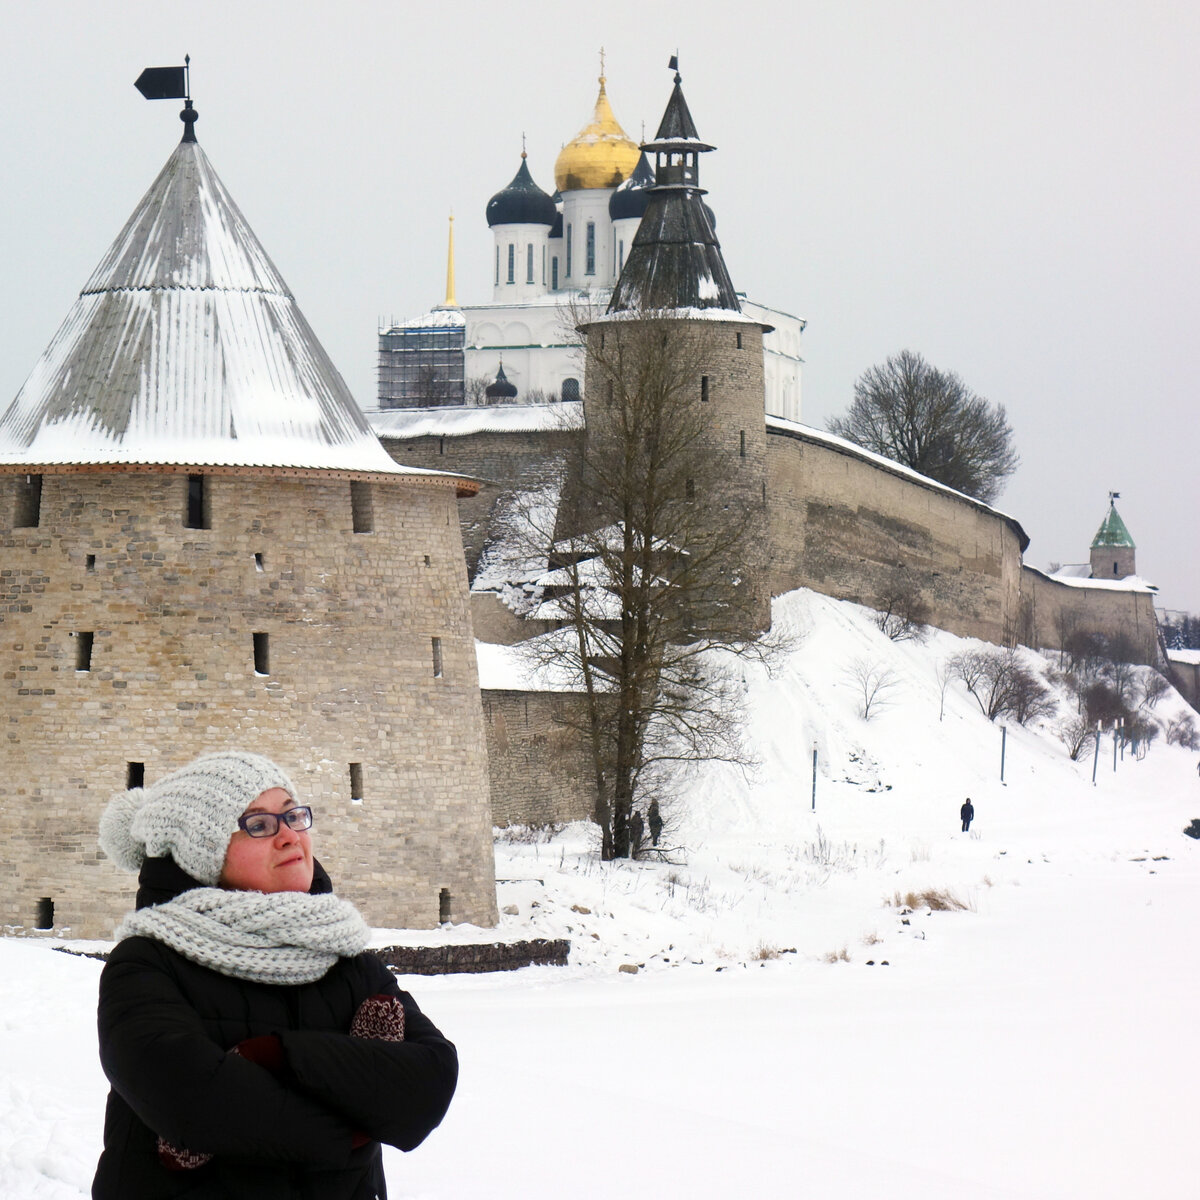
{"x": 276, "y": 937}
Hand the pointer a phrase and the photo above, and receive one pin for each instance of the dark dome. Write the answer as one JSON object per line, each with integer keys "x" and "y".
{"x": 500, "y": 390}
{"x": 521, "y": 203}
{"x": 629, "y": 200}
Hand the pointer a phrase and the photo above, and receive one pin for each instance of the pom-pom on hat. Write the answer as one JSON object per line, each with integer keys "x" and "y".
{"x": 189, "y": 814}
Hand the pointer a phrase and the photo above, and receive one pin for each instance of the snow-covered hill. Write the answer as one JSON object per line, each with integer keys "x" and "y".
{"x": 802, "y": 1022}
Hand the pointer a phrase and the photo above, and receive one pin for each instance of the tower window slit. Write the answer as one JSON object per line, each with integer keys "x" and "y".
{"x": 90, "y": 562}
{"x": 739, "y": 341}
{"x": 362, "y": 509}
{"x": 444, "y": 906}
{"x": 356, "y": 781}
{"x": 29, "y": 503}
{"x": 437, "y": 657}
{"x": 135, "y": 775}
{"x": 704, "y": 388}
{"x": 742, "y": 436}
{"x": 199, "y": 515}
{"x": 258, "y": 562}
{"x": 83, "y": 651}
{"x": 262, "y": 656}
{"x": 691, "y": 489}
{"x": 45, "y": 914}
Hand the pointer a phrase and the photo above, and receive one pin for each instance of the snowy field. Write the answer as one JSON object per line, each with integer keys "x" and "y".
{"x": 791, "y": 1030}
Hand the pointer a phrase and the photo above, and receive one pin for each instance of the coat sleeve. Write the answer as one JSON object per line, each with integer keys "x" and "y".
{"x": 190, "y": 1091}
{"x": 396, "y": 1092}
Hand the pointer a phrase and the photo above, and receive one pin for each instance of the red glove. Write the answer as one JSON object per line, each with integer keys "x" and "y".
{"x": 380, "y": 1017}
{"x": 265, "y": 1050}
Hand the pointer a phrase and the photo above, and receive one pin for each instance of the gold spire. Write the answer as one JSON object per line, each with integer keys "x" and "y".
{"x": 451, "y": 302}
{"x": 601, "y": 155}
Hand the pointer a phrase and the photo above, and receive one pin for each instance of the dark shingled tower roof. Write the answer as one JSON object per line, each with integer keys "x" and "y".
{"x": 675, "y": 260}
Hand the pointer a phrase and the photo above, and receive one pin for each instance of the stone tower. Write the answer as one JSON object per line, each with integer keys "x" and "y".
{"x": 675, "y": 289}
{"x": 203, "y": 546}
{"x": 1112, "y": 547}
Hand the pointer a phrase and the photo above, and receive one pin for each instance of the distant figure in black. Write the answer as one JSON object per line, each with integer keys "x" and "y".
{"x": 637, "y": 830}
{"x": 655, "y": 822}
{"x": 967, "y": 812}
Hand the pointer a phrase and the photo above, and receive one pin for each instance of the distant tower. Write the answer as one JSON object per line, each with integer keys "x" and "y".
{"x": 675, "y": 272}
{"x": 203, "y": 546}
{"x": 599, "y": 158}
{"x": 1112, "y": 547}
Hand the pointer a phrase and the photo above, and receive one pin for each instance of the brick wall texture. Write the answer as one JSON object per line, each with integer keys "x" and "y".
{"x": 350, "y": 620}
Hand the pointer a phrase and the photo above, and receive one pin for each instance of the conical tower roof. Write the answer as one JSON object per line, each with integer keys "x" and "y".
{"x": 186, "y": 347}
{"x": 675, "y": 261}
{"x": 1112, "y": 531}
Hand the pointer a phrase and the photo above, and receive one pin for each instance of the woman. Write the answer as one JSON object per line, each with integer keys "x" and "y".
{"x": 253, "y": 1048}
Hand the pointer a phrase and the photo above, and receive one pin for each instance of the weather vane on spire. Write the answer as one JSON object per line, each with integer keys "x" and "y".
{"x": 601, "y": 64}
{"x": 673, "y": 65}
{"x": 172, "y": 83}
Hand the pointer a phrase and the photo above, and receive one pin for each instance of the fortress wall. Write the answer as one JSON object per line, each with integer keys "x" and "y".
{"x": 350, "y": 619}
{"x": 845, "y": 526}
{"x": 495, "y": 622}
{"x": 1052, "y": 610}
{"x": 539, "y": 758}
{"x": 508, "y": 462}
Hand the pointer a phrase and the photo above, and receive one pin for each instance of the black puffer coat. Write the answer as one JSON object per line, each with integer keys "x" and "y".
{"x": 166, "y": 1028}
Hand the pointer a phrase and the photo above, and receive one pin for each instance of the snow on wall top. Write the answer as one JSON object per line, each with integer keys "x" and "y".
{"x": 782, "y": 425}
{"x": 185, "y": 347}
{"x": 1189, "y": 658}
{"x": 1131, "y": 583}
{"x": 461, "y": 421}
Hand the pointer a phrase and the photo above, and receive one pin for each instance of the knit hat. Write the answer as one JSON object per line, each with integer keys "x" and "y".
{"x": 189, "y": 814}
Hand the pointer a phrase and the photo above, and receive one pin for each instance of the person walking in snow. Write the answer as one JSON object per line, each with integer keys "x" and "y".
{"x": 254, "y": 1048}
{"x": 637, "y": 831}
{"x": 654, "y": 820}
{"x": 967, "y": 812}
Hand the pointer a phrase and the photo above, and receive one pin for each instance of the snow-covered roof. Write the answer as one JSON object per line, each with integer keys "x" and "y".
{"x": 795, "y": 429}
{"x": 186, "y": 347}
{"x": 1131, "y": 583}
{"x": 436, "y": 318}
{"x": 1072, "y": 571}
{"x": 461, "y": 421}
{"x": 1189, "y": 658}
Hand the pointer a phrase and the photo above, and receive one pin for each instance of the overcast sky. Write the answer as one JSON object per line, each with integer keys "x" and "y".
{"x": 1013, "y": 190}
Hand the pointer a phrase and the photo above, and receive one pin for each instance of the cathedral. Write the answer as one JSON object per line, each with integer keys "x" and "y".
{"x": 556, "y": 259}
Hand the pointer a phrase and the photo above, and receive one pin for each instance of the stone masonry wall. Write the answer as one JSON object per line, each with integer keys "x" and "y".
{"x": 539, "y": 760}
{"x": 507, "y": 462}
{"x": 846, "y": 527}
{"x": 1052, "y": 610}
{"x": 172, "y": 611}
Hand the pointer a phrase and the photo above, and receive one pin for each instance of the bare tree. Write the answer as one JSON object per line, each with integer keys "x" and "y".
{"x": 902, "y": 614}
{"x": 654, "y": 543}
{"x": 944, "y": 674}
{"x": 1077, "y": 733}
{"x": 874, "y": 683}
{"x": 1151, "y": 690}
{"x": 927, "y": 419}
{"x": 1002, "y": 685}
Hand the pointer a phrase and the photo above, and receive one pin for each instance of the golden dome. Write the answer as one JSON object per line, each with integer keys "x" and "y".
{"x": 601, "y": 155}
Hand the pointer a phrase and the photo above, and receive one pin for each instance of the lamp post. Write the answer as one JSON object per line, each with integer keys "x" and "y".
{"x": 814, "y": 781}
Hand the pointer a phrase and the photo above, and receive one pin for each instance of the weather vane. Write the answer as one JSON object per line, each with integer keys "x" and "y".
{"x": 172, "y": 83}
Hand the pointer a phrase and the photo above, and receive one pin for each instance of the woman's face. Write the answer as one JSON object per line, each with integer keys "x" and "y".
{"x": 282, "y": 863}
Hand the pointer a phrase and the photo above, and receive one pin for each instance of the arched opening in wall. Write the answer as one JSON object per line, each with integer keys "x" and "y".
{"x": 45, "y": 914}
{"x": 356, "y": 782}
{"x": 199, "y": 514}
{"x": 29, "y": 503}
{"x": 570, "y": 389}
{"x": 83, "y": 651}
{"x": 590, "y": 260}
{"x": 262, "y": 654}
{"x": 362, "y": 508}
{"x": 444, "y": 906}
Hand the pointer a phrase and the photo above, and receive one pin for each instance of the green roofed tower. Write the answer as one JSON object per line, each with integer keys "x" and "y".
{"x": 1112, "y": 547}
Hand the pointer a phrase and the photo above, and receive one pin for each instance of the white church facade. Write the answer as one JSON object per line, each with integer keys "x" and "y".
{"x": 556, "y": 259}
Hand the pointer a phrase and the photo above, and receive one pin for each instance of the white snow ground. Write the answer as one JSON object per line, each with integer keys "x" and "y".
{"x": 1038, "y": 1043}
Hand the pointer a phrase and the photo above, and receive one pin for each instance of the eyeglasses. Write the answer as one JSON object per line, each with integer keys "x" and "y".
{"x": 265, "y": 824}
